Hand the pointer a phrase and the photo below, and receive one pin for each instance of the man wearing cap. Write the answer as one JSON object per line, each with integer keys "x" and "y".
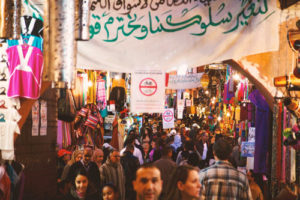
{"x": 63, "y": 157}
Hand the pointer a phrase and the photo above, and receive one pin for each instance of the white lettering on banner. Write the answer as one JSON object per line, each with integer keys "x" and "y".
{"x": 129, "y": 34}
{"x": 147, "y": 91}
{"x": 188, "y": 81}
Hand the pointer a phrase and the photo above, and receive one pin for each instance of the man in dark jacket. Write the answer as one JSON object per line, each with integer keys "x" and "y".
{"x": 130, "y": 164}
{"x": 89, "y": 166}
{"x": 166, "y": 165}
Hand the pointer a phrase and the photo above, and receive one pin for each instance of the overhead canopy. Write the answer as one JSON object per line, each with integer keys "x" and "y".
{"x": 168, "y": 34}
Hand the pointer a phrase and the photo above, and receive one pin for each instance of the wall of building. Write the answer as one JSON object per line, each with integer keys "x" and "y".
{"x": 38, "y": 153}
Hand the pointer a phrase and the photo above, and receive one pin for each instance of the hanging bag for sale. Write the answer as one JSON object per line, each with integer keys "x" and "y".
{"x": 66, "y": 106}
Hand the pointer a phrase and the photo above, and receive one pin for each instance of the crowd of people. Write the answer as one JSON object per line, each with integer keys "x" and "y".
{"x": 157, "y": 164}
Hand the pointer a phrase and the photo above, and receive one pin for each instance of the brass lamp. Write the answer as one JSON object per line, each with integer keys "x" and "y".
{"x": 204, "y": 81}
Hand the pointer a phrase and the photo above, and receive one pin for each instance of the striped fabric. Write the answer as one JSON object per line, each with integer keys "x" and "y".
{"x": 101, "y": 94}
{"x": 222, "y": 181}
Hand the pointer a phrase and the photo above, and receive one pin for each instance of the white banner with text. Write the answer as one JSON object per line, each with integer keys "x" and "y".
{"x": 128, "y": 35}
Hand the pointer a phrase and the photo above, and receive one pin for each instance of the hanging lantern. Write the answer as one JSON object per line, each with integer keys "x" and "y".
{"x": 204, "y": 81}
{"x": 292, "y": 82}
{"x": 281, "y": 81}
{"x": 62, "y": 46}
{"x": 293, "y": 106}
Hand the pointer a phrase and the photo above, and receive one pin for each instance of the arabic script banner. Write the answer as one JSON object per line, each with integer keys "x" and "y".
{"x": 127, "y": 35}
{"x": 188, "y": 81}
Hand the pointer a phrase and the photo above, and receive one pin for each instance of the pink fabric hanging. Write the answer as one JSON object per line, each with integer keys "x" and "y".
{"x": 59, "y": 140}
{"x": 25, "y": 64}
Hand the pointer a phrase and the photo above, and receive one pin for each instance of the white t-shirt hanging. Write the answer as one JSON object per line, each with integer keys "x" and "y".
{"x": 7, "y": 137}
{"x": 8, "y": 126}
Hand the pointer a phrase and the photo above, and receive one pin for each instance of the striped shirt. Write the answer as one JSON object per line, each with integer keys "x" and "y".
{"x": 222, "y": 181}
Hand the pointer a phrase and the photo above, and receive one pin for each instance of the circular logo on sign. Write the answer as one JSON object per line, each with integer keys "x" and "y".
{"x": 148, "y": 86}
{"x": 168, "y": 115}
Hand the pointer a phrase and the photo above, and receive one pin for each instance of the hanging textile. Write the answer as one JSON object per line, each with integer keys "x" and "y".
{"x": 244, "y": 112}
{"x": 261, "y": 131}
{"x": 101, "y": 96}
{"x": 43, "y": 128}
{"x": 92, "y": 77}
{"x": 241, "y": 91}
{"x": 9, "y": 118}
{"x": 274, "y": 180}
{"x": 35, "y": 113}
{"x": 31, "y": 40}
{"x": 5, "y": 101}
{"x": 25, "y": 65}
{"x": 115, "y": 138}
{"x": 121, "y": 130}
{"x": 78, "y": 92}
{"x": 237, "y": 113}
{"x": 88, "y": 126}
{"x": 59, "y": 140}
{"x": 31, "y": 26}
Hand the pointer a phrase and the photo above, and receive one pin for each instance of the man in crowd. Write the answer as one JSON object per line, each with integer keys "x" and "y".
{"x": 89, "y": 166}
{"x": 148, "y": 183}
{"x": 112, "y": 172}
{"x": 166, "y": 165}
{"x": 203, "y": 147}
{"x": 222, "y": 180}
{"x": 130, "y": 164}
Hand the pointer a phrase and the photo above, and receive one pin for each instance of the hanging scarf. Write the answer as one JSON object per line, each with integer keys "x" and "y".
{"x": 43, "y": 129}
{"x": 35, "y": 118}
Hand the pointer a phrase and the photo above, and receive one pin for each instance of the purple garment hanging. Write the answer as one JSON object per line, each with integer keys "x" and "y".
{"x": 261, "y": 131}
{"x": 59, "y": 140}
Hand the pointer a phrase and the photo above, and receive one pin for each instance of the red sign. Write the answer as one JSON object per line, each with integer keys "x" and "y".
{"x": 148, "y": 86}
{"x": 168, "y": 115}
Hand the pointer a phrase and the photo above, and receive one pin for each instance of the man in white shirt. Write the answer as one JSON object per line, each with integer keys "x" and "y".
{"x": 136, "y": 152}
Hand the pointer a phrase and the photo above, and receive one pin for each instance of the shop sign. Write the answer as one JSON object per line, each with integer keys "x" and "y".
{"x": 169, "y": 34}
{"x": 147, "y": 91}
{"x": 247, "y": 149}
{"x": 188, "y": 81}
{"x": 180, "y": 108}
{"x": 168, "y": 118}
{"x": 188, "y": 102}
{"x": 251, "y": 134}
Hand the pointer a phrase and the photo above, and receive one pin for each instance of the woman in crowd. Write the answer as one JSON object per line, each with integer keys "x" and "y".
{"x": 184, "y": 184}
{"x": 81, "y": 188}
{"x": 97, "y": 157}
{"x": 76, "y": 156}
{"x": 146, "y": 135}
{"x": 110, "y": 192}
{"x": 255, "y": 189}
